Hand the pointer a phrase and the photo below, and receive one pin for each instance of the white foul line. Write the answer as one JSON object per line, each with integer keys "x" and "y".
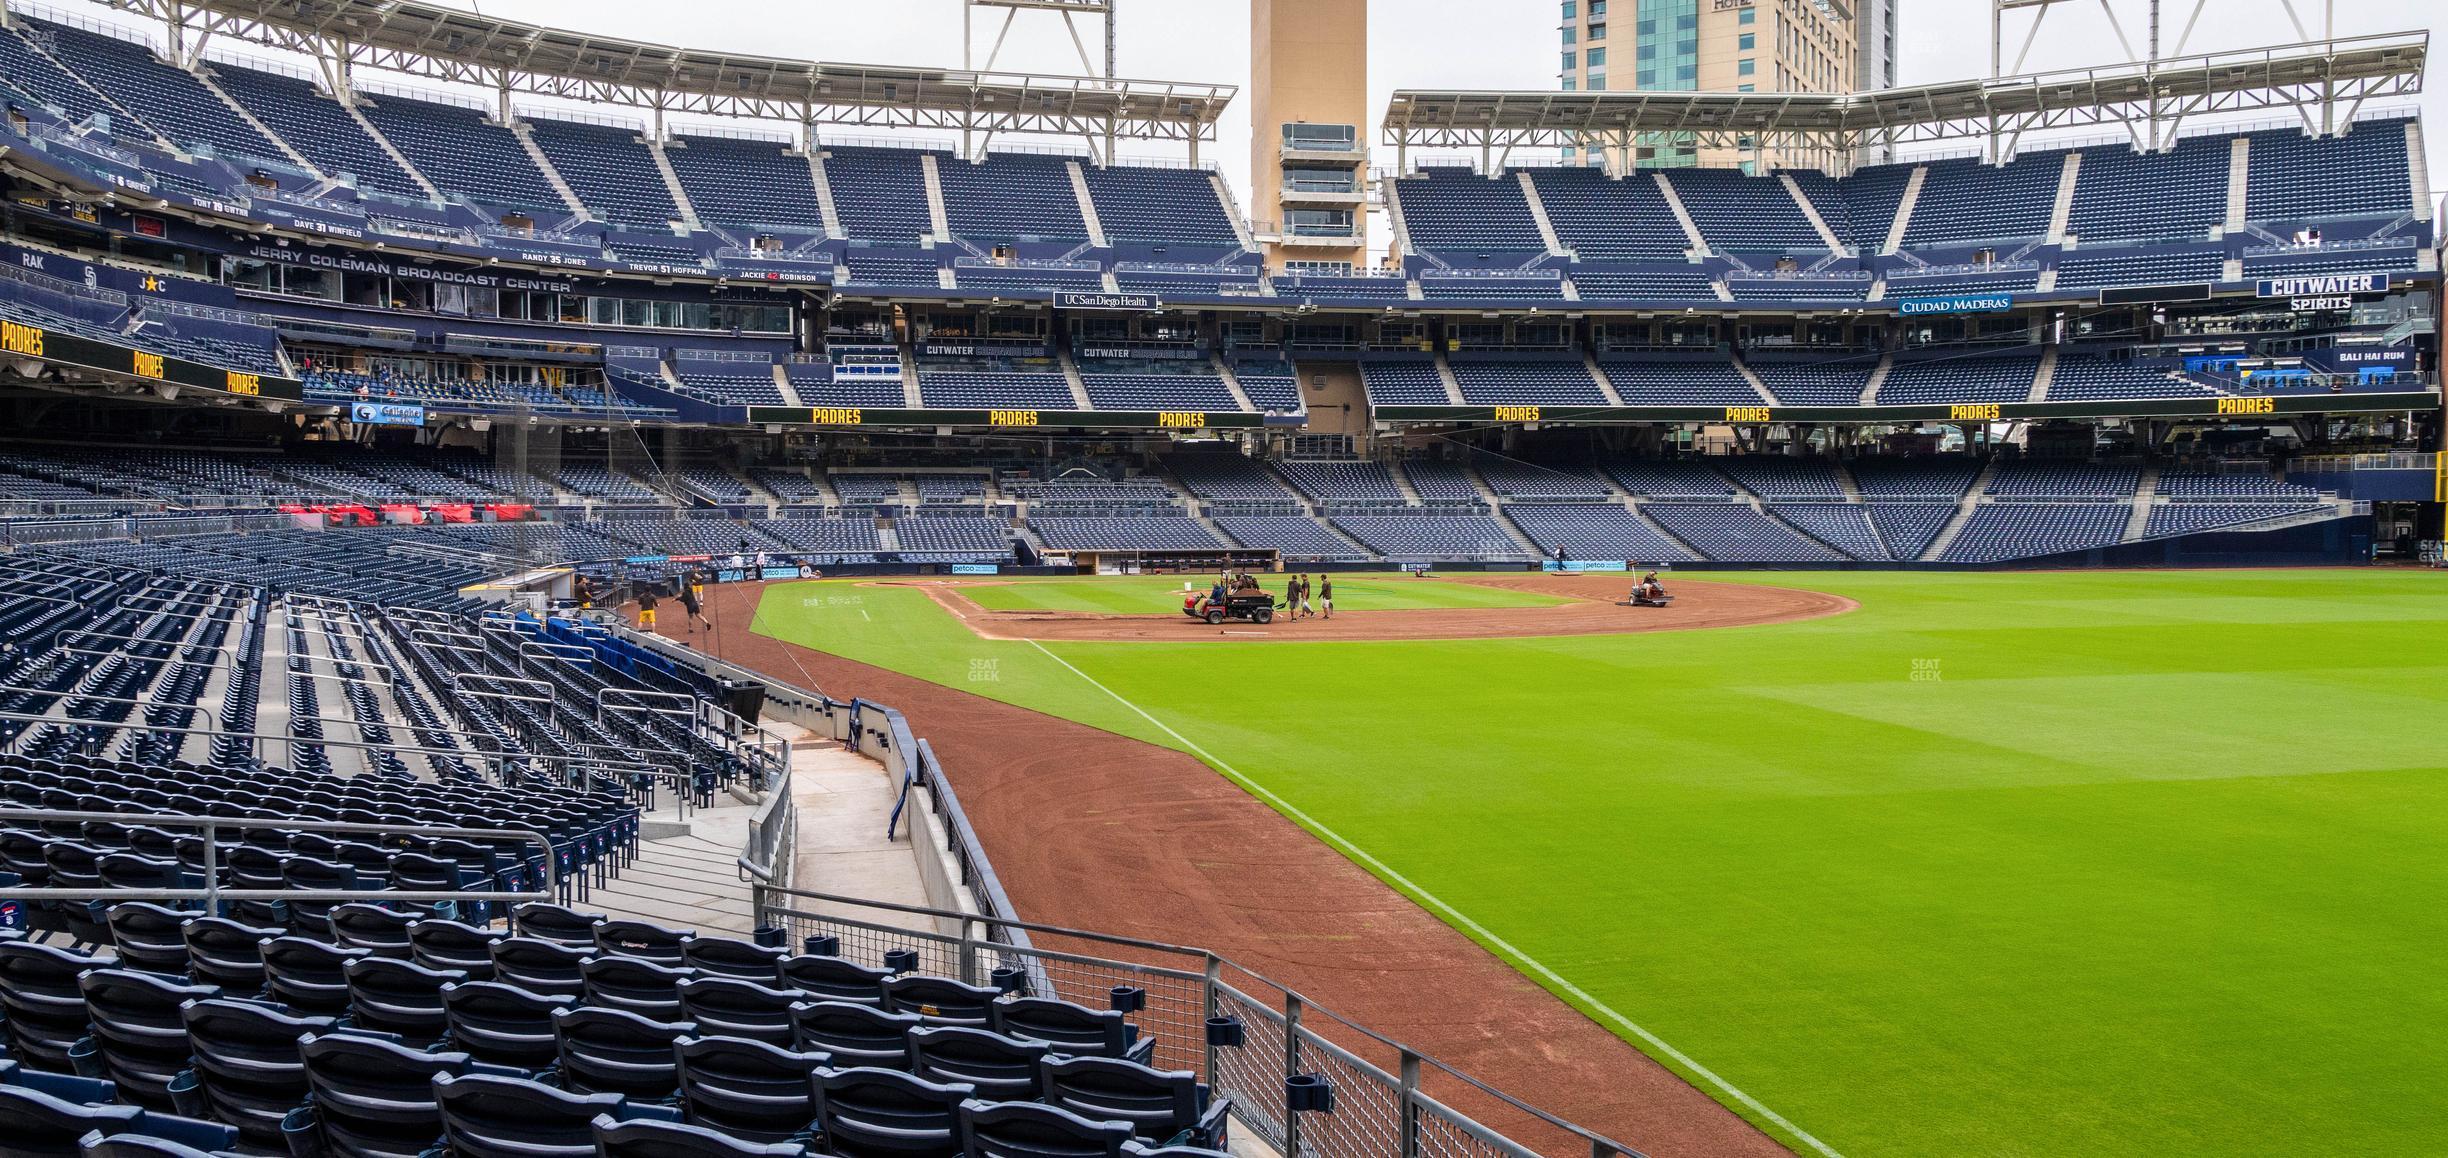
{"x": 1459, "y": 917}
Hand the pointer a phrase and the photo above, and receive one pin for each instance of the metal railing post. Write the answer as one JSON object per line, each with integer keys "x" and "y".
{"x": 968, "y": 953}
{"x": 1210, "y": 978}
{"x": 1408, "y": 1105}
{"x": 1292, "y": 1052}
{"x": 212, "y": 869}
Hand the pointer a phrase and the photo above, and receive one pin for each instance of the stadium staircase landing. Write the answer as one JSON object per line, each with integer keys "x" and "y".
{"x": 687, "y": 873}
{"x": 2145, "y": 497}
{"x": 1964, "y": 507}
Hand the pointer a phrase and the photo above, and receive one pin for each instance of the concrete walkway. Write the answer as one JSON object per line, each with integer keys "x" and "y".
{"x": 845, "y": 800}
{"x": 691, "y": 878}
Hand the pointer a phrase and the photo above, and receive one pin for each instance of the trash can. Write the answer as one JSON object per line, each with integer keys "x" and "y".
{"x": 745, "y": 698}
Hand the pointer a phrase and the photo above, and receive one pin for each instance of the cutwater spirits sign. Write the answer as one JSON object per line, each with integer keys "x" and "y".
{"x": 2329, "y": 291}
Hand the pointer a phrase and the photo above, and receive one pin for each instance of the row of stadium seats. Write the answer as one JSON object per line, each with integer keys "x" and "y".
{"x": 348, "y": 1025}
{"x": 1305, "y": 507}
{"x": 2120, "y": 197}
{"x": 406, "y": 1029}
{"x": 742, "y": 181}
{"x": 1654, "y": 380}
{"x": 694, "y": 202}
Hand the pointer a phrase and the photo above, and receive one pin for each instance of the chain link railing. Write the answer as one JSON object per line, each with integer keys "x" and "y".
{"x": 1303, "y": 1078}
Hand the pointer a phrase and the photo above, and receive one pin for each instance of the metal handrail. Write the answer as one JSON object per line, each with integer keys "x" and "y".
{"x": 1209, "y": 971}
{"x": 212, "y": 893}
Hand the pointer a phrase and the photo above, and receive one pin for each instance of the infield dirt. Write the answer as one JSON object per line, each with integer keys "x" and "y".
{"x": 1595, "y": 607}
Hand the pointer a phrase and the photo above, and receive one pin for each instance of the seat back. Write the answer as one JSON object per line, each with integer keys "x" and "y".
{"x": 650, "y": 1139}
{"x": 503, "y": 1024}
{"x": 729, "y": 1007}
{"x": 309, "y": 917}
{"x": 643, "y": 939}
{"x": 1075, "y": 1029}
{"x": 635, "y": 984}
{"x": 834, "y": 979}
{"x": 729, "y": 957}
{"x": 491, "y": 1117}
{"x": 226, "y": 953}
{"x": 856, "y": 1035}
{"x": 871, "y": 1113}
{"x": 541, "y": 966}
{"x": 399, "y": 997}
{"x": 375, "y": 929}
{"x": 44, "y": 1007}
{"x": 38, "y": 1124}
{"x": 129, "y": 870}
{"x": 1027, "y": 1130}
{"x": 374, "y": 1097}
{"x": 1158, "y": 1104}
{"x": 439, "y": 944}
{"x": 939, "y": 1000}
{"x": 148, "y": 936}
{"x": 137, "y": 1146}
{"x": 138, "y": 1030}
{"x": 555, "y": 923}
{"x": 247, "y": 1064}
{"x": 308, "y": 976}
{"x": 747, "y": 1088}
{"x": 611, "y": 1051}
{"x": 1002, "y": 1068}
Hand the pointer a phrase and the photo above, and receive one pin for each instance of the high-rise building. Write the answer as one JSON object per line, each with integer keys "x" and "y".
{"x": 1308, "y": 111}
{"x": 1822, "y": 46}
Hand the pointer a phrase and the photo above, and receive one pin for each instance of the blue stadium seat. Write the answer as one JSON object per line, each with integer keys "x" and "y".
{"x": 647, "y": 1138}
{"x": 748, "y": 1089}
{"x": 484, "y": 1116}
{"x": 1021, "y": 1128}
{"x": 877, "y": 1113}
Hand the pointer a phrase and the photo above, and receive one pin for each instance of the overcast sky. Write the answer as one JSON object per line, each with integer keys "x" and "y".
{"x": 1492, "y": 44}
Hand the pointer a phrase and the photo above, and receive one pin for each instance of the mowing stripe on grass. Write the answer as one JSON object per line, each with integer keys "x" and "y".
{"x": 1430, "y": 899}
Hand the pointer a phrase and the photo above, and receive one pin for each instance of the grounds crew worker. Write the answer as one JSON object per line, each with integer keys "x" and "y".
{"x": 693, "y": 599}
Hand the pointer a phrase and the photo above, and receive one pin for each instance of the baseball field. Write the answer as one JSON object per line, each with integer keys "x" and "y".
{"x": 1939, "y": 864}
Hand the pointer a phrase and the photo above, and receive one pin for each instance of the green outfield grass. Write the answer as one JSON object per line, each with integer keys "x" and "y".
{"x": 2093, "y": 863}
{"x": 1148, "y": 594}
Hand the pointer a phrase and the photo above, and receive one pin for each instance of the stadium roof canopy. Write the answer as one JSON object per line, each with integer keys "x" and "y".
{"x": 2149, "y": 99}
{"x": 450, "y": 44}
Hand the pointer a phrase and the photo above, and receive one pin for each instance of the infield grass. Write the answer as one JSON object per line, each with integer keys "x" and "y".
{"x": 1148, "y": 594}
{"x": 2089, "y": 863}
